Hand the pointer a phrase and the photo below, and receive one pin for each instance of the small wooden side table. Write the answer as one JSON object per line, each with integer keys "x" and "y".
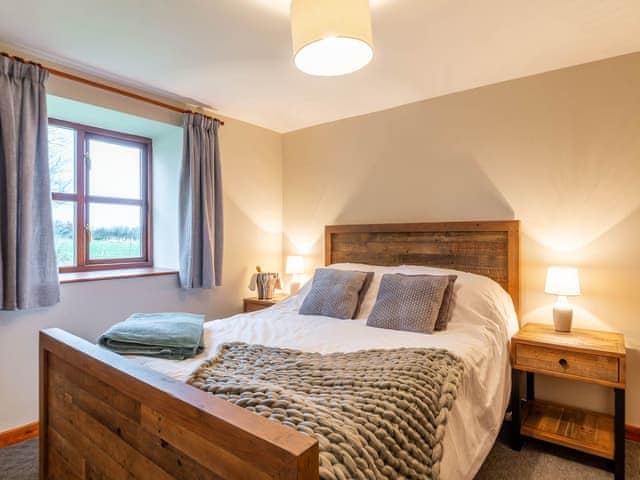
{"x": 589, "y": 356}
{"x": 253, "y": 304}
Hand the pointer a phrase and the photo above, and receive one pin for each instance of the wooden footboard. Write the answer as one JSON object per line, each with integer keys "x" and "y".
{"x": 103, "y": 416}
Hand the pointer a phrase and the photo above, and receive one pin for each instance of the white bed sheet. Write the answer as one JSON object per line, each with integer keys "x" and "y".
{"x": 478, "y": 334}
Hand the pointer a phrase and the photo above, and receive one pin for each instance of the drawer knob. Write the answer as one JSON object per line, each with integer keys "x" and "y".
{"x": 563, "y": 363}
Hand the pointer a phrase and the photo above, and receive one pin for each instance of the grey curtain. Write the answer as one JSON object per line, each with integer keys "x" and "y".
{"x": 28, "y": 269}
{"x": 201, "y": 234}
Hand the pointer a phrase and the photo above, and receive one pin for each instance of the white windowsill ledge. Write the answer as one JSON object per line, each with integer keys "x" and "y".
{"x": 96, "y": 275}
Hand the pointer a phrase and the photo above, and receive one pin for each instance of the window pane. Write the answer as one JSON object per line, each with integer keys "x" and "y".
{"x": 62, "y": 155}
{"x": 64, "y": 228}
{"x": 116, "y": 231}
{"x": 114, "y": 169}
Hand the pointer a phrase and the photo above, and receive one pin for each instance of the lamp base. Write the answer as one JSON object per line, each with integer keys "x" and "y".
{"x": 294, "y": 287}
{"x": 562, "y": 317}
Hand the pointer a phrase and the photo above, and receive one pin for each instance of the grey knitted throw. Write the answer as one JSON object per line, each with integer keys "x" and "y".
{"x": 376, "y": 414}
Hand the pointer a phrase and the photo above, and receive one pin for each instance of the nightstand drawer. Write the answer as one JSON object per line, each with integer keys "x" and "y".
{"x": 589, "y": 366}
{"x": 254, "y": 307}
{"x": 253, "y": 304}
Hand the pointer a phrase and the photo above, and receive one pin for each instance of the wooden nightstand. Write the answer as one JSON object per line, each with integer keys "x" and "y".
{"x": 582, "y": 355}
{"x": 252, "y": 304}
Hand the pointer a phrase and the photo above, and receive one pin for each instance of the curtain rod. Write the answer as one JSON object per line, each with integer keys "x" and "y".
{"x": 108, "y": 88}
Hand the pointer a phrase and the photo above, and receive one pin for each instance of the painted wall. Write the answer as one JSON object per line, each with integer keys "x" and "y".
{"x": 559, "y": 151}
{"x": 252, "y": 178}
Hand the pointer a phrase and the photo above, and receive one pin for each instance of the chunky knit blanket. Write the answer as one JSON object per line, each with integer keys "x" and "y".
{"x": 376, "y": 414}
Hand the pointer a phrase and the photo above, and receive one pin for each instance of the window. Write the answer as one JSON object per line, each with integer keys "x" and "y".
{"x": 100, "y": 183}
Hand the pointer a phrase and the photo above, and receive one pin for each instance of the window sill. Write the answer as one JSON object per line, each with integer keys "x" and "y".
{"x": 96, "y": 275}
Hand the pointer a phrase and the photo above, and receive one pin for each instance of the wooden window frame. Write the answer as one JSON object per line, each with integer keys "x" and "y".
{"x": 82, "y": 199}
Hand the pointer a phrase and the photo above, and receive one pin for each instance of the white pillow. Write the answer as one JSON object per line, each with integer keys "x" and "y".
{"x": 474, "y": 296}
{"x": 476, "y": 299}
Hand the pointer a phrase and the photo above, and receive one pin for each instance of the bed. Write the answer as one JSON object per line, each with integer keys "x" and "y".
{"x": 102, "y": 414}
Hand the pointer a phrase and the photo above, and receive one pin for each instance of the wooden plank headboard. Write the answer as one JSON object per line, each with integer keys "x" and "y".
{"x": 486, "y": 248}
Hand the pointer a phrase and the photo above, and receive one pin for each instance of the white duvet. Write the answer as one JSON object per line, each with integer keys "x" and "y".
{"x": 482, "y": 323}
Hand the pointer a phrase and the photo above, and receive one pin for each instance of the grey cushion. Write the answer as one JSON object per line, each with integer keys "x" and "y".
{"x": 446, "y": 308}
{"x": 336, "y": 293}
{"x": 408, "y": 302}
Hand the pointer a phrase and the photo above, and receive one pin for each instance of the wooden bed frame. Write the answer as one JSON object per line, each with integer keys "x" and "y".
{"x": 104, "y": 416}
{"x": 487, "y": 248}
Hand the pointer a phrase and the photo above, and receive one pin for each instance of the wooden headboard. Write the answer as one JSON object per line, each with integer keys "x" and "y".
{"x": 486, "y": 248}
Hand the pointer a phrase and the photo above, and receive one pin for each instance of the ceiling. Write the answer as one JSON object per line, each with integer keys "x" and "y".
{"x": 235, "y": 55}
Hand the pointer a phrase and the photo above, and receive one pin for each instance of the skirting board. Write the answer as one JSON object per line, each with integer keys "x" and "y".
{"x": 31, "y": 430}
{"x": 19, "y": 434}
{"x": 632, "y": 433}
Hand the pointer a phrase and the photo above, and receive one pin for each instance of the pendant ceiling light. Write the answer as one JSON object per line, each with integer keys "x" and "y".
{"x": 331, "y": 37}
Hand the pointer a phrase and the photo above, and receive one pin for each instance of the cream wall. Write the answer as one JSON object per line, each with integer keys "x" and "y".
{"x": 252, "y": 178}
{"x": 559, "y": 151}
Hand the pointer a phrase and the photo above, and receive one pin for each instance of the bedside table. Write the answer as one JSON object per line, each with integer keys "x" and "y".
{"x": 253, "y": 304}
{"x": 581, "y": 355}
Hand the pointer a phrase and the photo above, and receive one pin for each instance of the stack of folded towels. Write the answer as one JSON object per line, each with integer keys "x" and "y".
{"x": 174, "y": 336}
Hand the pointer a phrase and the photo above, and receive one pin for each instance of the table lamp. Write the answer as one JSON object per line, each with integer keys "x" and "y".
{"x": 295, "y": 267}
{"x": 563, "y": 282}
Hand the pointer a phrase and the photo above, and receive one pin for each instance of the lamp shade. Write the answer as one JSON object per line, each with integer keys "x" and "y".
{"x": 295, "y": 265}
{"x": 331, "y": 37}
{"x": 562, "y": 281}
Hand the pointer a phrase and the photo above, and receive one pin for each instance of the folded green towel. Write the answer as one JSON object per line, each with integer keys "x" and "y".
{"x": 175, "y": 336}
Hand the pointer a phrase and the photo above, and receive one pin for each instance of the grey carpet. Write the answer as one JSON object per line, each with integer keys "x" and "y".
{"x": 19, "y": 461}
{"x": 536, "y": 460}
{"x": 541, "y": 461}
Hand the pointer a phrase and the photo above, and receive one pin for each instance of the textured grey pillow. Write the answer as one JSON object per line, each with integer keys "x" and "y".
{"x": 408, "y": 302}
{"x": 336, "y": 293}
{"x": 445, "y": 310}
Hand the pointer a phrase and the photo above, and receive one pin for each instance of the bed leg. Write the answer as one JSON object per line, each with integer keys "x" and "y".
{"x": 516, "y": 438}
